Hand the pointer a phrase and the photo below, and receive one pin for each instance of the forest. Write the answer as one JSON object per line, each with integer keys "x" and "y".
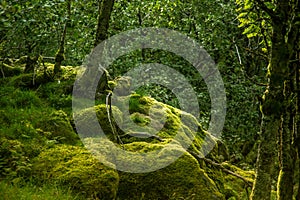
{"x": 150, "y": 100}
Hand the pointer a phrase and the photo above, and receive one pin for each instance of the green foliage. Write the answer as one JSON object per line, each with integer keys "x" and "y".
{"x": 22, "y": 118}
{"x": 34, "y": 28}
{"x": 35, "y": 111}
{"x": 28, "y": 25}
{"x": 77, "y": 168}
{"x": 16, "y": 98}
{"x": 58, "y": 128}
{"x": 13, "y": 159}
{"x": 27, "y": 121}
{"x": 29, "y": 191}
{"x": 255, "y": 24}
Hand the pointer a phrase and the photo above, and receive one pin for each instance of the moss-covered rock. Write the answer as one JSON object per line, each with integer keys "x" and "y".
{"x": 44, "y": 75}
{"x": 182, "y": 179}
{"x": 146, "y": 115}
{"x": 172, "y": 172}
{"x": 77, "y": 168}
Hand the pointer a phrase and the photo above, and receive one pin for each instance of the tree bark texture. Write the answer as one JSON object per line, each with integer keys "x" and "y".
{"x": 105, "y": 8}
{"x": 273, "y": 105}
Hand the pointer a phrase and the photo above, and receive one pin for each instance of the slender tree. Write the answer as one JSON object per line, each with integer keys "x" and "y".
{"x": 60, "y": 55}
{"x": 104, "y": 9}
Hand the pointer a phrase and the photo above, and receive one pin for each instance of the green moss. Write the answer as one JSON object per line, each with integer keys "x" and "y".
{"x": 77, "y": 168}
{"x": 231, "y": 186}
{"x": 17, "y": 98}
{"x": 150, "y": 117}
{"x": 85, "y": 119}
{"x": 59, "y": 128}
{"x": 182, "y": 179}
{"x": 68, "y": 72}
{"x": 140, "y": 119}
{"x": 13, "y": 159}
{"x": 165, "y": 121}
{"x": 139, "y": 104}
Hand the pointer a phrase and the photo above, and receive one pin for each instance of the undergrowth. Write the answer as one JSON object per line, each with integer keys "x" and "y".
{"x": 29, "y": 191}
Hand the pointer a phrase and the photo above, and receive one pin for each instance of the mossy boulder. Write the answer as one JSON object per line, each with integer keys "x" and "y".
{"x": 77, "y": 168}
{"x": 182, "y": 179}
{"x": 170, "y": 172}
{"x": 145, "y": 114}
{"x": 44, "y": 75}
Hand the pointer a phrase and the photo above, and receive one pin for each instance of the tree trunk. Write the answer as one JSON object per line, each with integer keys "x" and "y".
{"x": 105, "y": 8}
{"x": 31, "y": 61}
{"x": 273, "y": 106}
{"x": 287, "y": 151}
{"x": 60, "y": 55}
{"x": 297, "y": 115}
{"x": 297, "y": 134}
